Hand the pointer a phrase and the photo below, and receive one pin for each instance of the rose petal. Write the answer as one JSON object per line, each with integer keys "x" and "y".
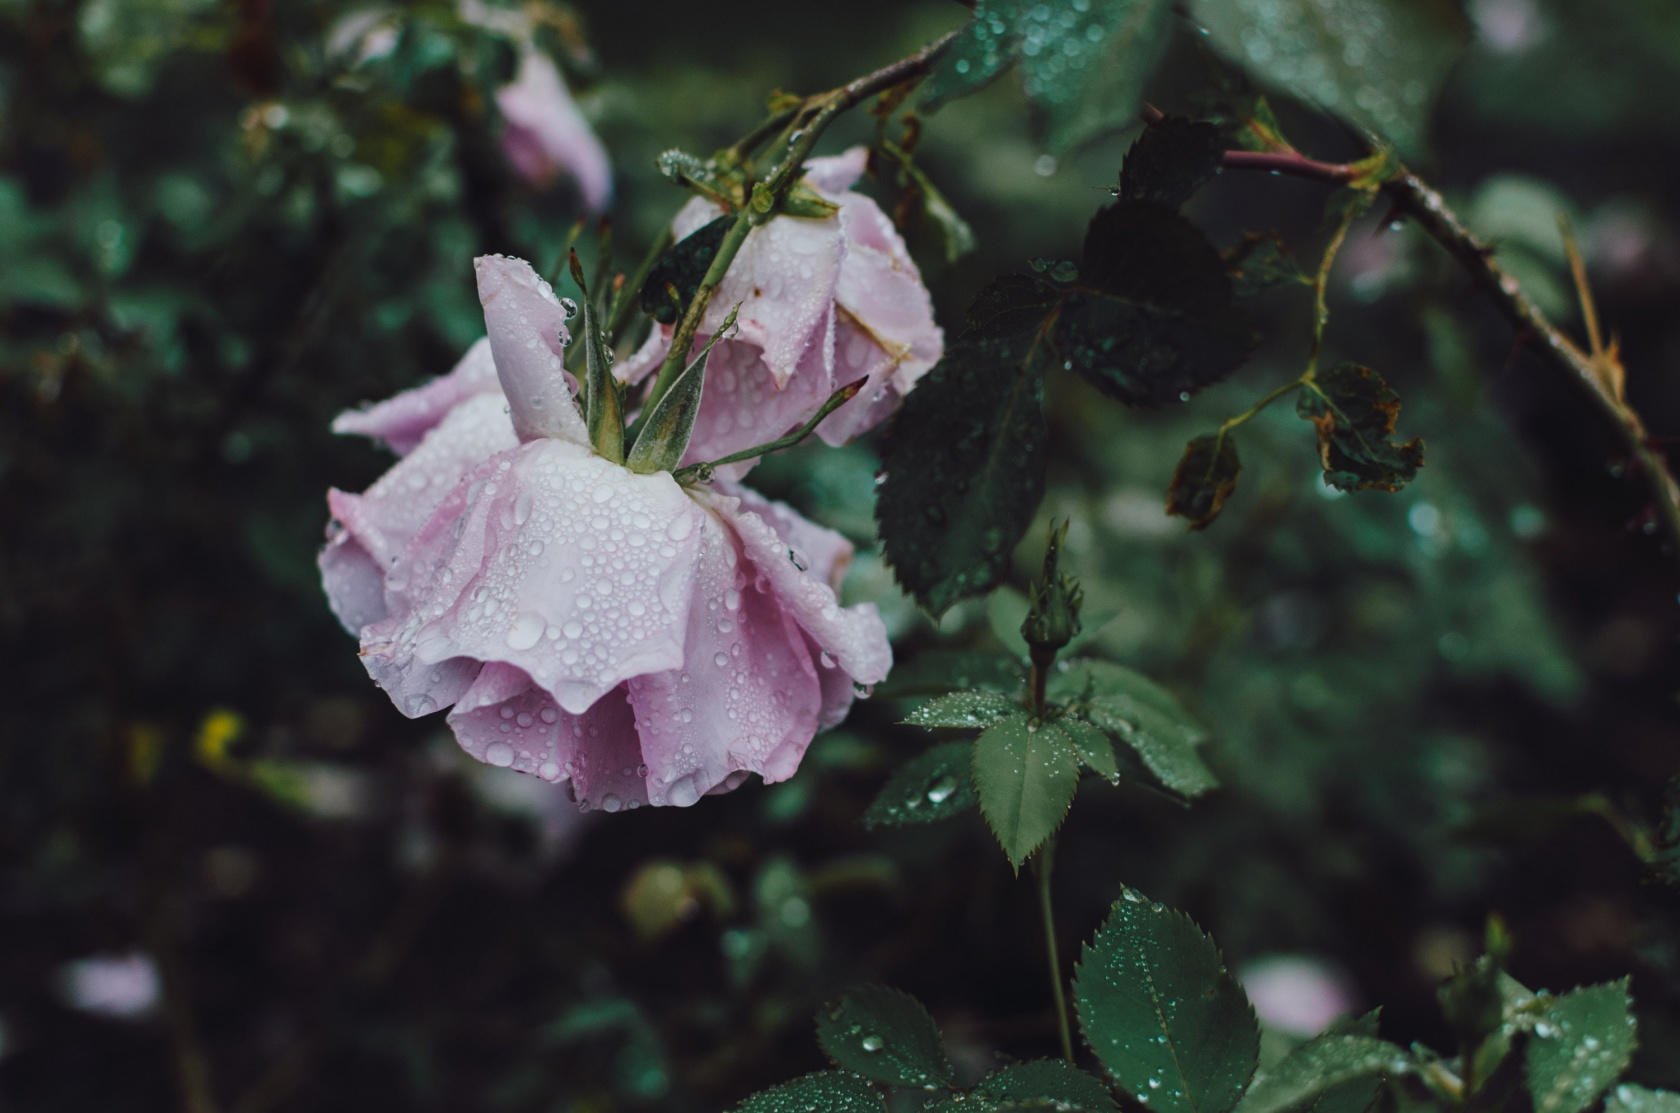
{"x": 825, "y": 553}
{"x": 402, "y": 420}
{"x": 836, "y": 173}
{"x": 547, "y": 136}
{"x": 528, "y": 338}
{"x": 746, "y": 697}
{"x": 553, "y": 560}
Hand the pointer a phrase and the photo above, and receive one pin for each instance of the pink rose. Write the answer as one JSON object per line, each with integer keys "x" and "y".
{"x": 642, "y": 641}
{"x": 547, "y": 137}
{"x": 824, "y": 302}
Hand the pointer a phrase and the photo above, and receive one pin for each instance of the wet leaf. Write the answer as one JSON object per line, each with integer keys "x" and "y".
{"x": 966, "y": 710}
{"x": 885, "y": 1035}
{"x": 1171, "y": 160}
{"x": 1026, "y": 772}
{"x": 681, "y": 268}
{"x": 1354, "y": 411}
{"x": 1060, "y": 1083}
{"x": 831, "y": 1091}
{"x": 1161, "y": 1013}
{"x": 1204, "y": 479}
{"x": 1260, "y": 261}
{"x": 1083, "y": 66}
{"x": 1378, "y": 63}
{"x": 1314, "y": 1070}
{"x": 1628, "y": 1098}
{"x": 1094, "y": 747}
{"x": 964, "y": 459}
{"x": 932, "y": 786}
{"x": 1580, "y": 1047}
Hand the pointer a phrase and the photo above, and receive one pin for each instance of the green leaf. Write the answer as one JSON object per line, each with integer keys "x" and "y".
{"x": 964, "y": 464}
{"x": 605, "y": 416}
{"x": 830, "y": 1091}
{"x": 1095, "y": 748}
{"x": 1160, "y": 1011}
{"x": 1260, "y": 261}
{"x": 1379, "y": 63}
{"x": 1313, "y": 1070}
{"x": 1580, "y": 1047}
{"x": 1150, "y": 320}
{"x": 932, "y": 786}
{"x": 939, "y": 670}
{"x": 1171, "y": 160}
{"x": 1083, "y": 66}
{"x": 1142, "y": 714}
{"x": 965, "y": 710}
{"x": 1086, "y": 678}
{"x": 885, "y": 1035}
{"x": 1354, "y": 411}
{"x": 1051, "y": 1080}
{"x": 1026, "y": 772}
{"x": 669, "y": 424}
{"x": 1628, "y": 1098}
{"x": 1204, "y": 479}
{"x": 681, "y": 268}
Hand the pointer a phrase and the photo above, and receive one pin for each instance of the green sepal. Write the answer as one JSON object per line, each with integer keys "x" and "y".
{"x": 603, "y": 406}
{"x": 666, "y": 430}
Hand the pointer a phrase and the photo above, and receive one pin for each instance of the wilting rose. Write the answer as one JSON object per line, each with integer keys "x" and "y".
{"x": 824, "y": 302}
{"x": 642, "y": 641}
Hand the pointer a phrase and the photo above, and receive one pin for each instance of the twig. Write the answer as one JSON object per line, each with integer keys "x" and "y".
{"x": 1412, "y": 196}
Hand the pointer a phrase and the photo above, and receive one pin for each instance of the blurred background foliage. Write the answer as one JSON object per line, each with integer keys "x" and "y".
{"x": 234, "y": 872}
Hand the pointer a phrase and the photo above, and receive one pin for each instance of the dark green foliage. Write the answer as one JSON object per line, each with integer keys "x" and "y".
{"x": 1332, "y": 1072}
{"x": 1083, "y": 65}
{"x": 964, "y": 710}
{"x": 1259, "y": 261}
{"x": 1161, "y": 1013}
{"x": 1050, "y": 1080}
{"x": 1093, "y": 745}
{"x": 831, "y": 1091}
{"x": 964, "y": 462}
{"x": 1026, "y": 772}
{"x": 1171, "y": 160}
{"x": 1354, "y": 411}
{"x": 1378, "y": 63}
{"x": 1204, "y": 479}
{"x": 680, "y": 269}
{"x": 936, "y": 671}
{"x": 934, "y": 785}
{"x": 1628, "y": 1098}
{"x": 885, "y": 1035}
{"x": 1141, "y": 715}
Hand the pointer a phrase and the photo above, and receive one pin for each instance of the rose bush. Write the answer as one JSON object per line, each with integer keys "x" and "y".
{"x": 824, "y": 301}
{"x": 637, "y": 639}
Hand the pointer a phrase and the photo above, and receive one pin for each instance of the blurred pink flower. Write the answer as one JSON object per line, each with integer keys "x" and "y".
{"x": 641, "y": 641}
{"x": 1296, "y": 994}
{"x": 546, "y": 136}
{"x": 824, "y": 302}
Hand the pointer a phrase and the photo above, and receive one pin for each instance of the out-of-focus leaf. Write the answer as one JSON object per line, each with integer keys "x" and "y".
{"x": 885, "y": 1035}
{"x": 1260, "y": 261}
{"x": 1160, "y": 1011}
{"x": 1171, "y": 160}
{"x": 1354, "y": 411}
{"x": 1026, "y": 772}
{"x": 934, "y": 785}
{"x": 1083, "y": 65}
{"x": 1580, "y": 1047}
{"x": 942, "y": 670}
{"x": 1378, "y": 63}
{"x": 1204, "y": 479}
{"x": 1628, "y": 1098}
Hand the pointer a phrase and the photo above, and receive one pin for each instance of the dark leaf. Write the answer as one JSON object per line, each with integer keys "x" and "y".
{"x": 928, "y": 788}
{"x": 682, "y": 268}
{"x": 941, "y": 670}
{"x": 1378, "y": 63}
{"x": 1083, "y": 66}
{"x": 1205, "y": 477}
{"x": 885, "y": 1035}
{"x": 1060, "y": 1083}
{"x": 1171, "y": 160}
{"x": 1312, "y": 1071}
{"x": 1354, "y": 411}
{"x": 1163, "y": 1016}
{"x": 1580, "y": 1047}
{"x": 1260, "y": 261}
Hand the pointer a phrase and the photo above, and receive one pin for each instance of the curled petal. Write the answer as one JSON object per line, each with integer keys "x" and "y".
{"x": 528, "y": 338}
{"x": 550, "y": 559}
{"x": 824, "y": 553}
{"x": 837, "y": 173}
{"x": 746, "y": 698}
{"x": 547, "y": 137}
{"x": 373, "y": 529}
{"x": 401, "y": 421}
{"x": 882, "y": 293}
